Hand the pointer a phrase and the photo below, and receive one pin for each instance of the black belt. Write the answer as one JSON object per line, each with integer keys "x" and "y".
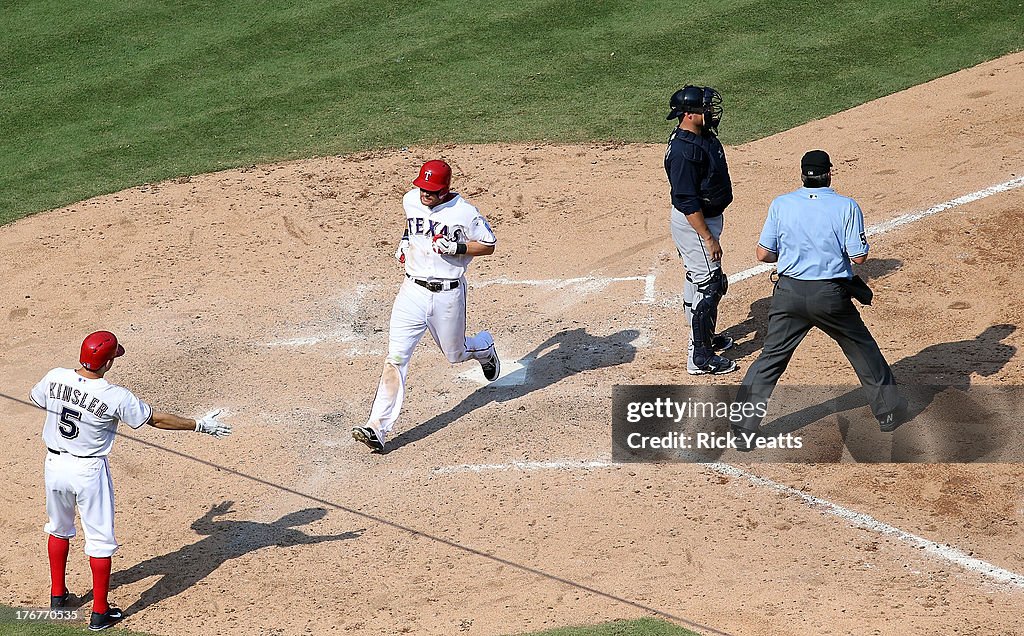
{"x": 435, "y": 285}
{"x": 56, "y": 452}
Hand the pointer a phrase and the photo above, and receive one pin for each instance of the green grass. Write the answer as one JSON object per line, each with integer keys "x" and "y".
{"x": 97, "y": 96}
{"x": 9, "y": 626}
{"x": 642, "y": 627}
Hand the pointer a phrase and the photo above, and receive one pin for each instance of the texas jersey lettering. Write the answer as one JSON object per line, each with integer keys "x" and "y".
{"x": 455, "y": 219}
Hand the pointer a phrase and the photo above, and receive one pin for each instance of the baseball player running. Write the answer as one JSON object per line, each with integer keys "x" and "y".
{"x": 82, "y": 413}
{"x": 442, "y": 235}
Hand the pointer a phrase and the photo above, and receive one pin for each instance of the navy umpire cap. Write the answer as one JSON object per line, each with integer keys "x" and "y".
{"x": 815, "y": 163}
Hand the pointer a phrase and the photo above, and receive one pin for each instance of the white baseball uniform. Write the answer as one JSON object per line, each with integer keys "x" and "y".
{"x": 82, "y": 415}
{"x": 417, "y": 309}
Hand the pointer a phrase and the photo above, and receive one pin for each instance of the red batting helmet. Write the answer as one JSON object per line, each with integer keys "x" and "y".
{"x": 435, "y": 176}
{"x": 98, "y": 349}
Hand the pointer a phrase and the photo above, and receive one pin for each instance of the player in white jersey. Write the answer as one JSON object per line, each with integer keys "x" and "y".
{"x": 442, "y": 235}
{"x": 82, "y": 413}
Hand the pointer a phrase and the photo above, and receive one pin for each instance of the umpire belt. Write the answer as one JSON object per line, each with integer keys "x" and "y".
{"x": 435, "y": 285}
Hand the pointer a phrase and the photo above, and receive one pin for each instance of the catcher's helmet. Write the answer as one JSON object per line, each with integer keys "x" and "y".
{"x": 99, "y": 348}
{"x": 697, "y": 99}
{"x": 435, "y": 176}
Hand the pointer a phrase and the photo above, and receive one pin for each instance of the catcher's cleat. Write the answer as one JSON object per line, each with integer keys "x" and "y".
{"x": 715, "y": 365}
{"x": 58, "y": 602}
{"x": 491, "y": 366}
{"x": 722, "y": 342}
{"x": 369, "y": 436}
{"x": 102, "y": 621}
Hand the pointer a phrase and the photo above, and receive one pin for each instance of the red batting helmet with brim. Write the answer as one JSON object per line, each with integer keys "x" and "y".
{"x": 435, "y": 176}
{"x": 99, "y": 348}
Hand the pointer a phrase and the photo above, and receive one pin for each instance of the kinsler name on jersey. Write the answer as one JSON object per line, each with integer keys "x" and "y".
{"x": 77, "y": 397}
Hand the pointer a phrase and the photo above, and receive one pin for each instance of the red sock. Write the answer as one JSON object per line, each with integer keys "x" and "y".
{"x": 100, "y": 583}
{"x": 58, "y": 550}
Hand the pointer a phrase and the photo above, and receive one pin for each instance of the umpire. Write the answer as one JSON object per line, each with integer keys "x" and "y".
{"x": 813, "y": 234}
{"x": 701, "y": 190}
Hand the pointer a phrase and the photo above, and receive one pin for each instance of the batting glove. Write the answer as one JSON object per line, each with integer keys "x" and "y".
{"x": 210, "y": 425}
{"x": 448, "y": 246}
{"x": 403, "y": 246}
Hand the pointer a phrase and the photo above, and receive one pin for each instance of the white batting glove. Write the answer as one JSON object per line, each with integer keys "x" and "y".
{"x": 403, "y": 246}
{"x": 210, "y": 425}
{"x": 444, "y": 245}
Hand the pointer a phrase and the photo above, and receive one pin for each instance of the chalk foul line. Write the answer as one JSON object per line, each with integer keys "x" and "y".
{"x": 856, "y": 519}
{"x": 526, "y": 466}
{"x": 867, "y": 522}
{"x": 903, "y": 219}
{"x": 587, "y": 283}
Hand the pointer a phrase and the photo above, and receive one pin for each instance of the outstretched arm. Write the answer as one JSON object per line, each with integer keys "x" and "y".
{"x": 209, "y": 424}
{"x": 170, "y": 422}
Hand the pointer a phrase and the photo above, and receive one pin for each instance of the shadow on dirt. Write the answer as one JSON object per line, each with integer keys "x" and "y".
{"x": 560, "y": 356}
{"x": 950, "y": 435}
{"x": 749, "y": 334}
{"x": 225, "y": 539}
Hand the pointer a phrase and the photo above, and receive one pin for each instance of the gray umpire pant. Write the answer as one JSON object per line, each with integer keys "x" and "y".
{"x": 798, "y": 305}
{"x": 699, "y": 266}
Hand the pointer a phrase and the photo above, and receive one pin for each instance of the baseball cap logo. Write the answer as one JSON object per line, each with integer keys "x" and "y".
{"x": 427, "y": 175}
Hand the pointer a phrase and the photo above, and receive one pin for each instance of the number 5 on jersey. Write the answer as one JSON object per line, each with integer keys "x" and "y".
{"x": 69, "y": 419}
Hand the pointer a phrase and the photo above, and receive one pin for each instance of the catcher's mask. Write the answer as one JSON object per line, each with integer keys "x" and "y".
{"x": 698, "y": 99}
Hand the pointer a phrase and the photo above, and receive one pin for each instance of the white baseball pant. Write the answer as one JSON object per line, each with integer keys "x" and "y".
{"x": 416, "y": 311}
{"x": 85, "y": 482}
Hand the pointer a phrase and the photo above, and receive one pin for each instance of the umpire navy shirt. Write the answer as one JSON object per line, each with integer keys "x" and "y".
{"x": 815, "y": 232}
{"x": 697, "y": 173}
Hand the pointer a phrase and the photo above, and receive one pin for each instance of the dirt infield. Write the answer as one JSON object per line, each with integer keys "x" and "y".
{"x": 267, "y": 291}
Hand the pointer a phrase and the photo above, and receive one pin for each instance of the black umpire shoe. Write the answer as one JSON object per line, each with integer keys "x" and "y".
{"x": 745, "y": 442}
{"x": 108, "y": 619}
{"x": 59, "y": 602}
{"x": 892, "y": 420}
